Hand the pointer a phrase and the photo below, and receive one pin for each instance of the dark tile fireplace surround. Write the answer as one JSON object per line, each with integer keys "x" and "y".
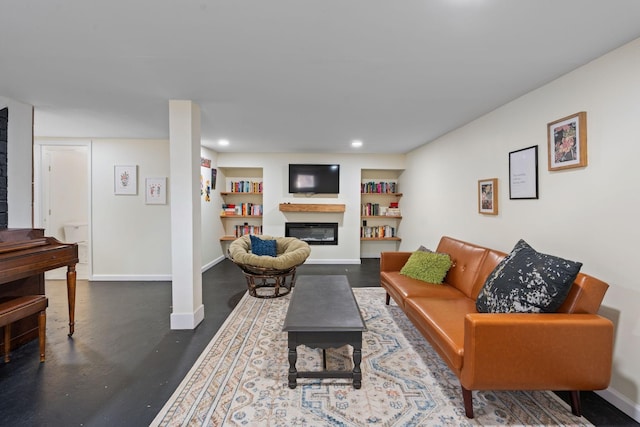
{"x": 4, "y": 207}
{"x": 314, "y": 233}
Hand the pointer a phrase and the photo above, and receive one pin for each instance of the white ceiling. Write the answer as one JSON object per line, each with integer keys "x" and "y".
{"x": 293, "y": 75}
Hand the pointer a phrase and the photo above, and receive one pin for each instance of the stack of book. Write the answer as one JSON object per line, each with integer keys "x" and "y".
{"x": 393, "y": 212}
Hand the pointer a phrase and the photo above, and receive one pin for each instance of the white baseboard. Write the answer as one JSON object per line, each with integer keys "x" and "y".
{"x": 212, "y": 263}
{"x": 187, "y": 320}
{"x": 145, "y": 277}
{"x": 332, "y": 261}
{"x": 130, "y": 277}
{"x": 621, "y": 402}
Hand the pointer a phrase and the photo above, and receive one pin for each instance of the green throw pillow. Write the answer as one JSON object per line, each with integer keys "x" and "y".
{"x": 427, "y": 266}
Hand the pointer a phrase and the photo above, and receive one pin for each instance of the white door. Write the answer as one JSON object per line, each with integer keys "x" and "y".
{"x": 65, "y": 200}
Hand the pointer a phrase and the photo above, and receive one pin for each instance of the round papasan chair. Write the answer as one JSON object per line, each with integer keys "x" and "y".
{"x": 265, "y": 271}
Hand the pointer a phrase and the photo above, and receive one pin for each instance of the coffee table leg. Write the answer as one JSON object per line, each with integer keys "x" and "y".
{"x": 357, "y": 373}
{"x": 293, "y": 373}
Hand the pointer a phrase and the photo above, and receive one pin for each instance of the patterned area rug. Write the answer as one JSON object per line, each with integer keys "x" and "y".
{"x": 241, "y": 379}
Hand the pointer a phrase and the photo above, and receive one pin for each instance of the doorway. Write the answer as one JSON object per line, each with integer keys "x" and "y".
{"x": 62, "y": 202}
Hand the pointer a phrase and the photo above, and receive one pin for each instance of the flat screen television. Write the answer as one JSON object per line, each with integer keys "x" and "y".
{"x": 314, "y": 179}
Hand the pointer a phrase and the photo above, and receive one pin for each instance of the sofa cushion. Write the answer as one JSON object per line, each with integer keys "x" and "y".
{"x": 467, "y": 260}
{"x": 441, "y": 322}
{"x": 401, "y": 287}
{"x": 263, "y": 247}
{"x": 527, "y": 281}
{"x": 430, "y": 267}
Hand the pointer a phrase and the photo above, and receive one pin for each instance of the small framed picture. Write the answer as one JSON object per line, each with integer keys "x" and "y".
{"x": 523, "y": 173}
{"x": 125, "y": 180}
{"x": 488, "y": 196}
{"x": 156, "y": 191}
{"x": 567, "y": 140}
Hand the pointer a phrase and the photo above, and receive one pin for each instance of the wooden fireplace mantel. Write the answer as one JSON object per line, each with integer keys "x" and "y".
{"x": 312, "y": 207}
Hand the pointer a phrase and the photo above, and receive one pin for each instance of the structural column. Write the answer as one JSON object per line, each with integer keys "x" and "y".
{"x": 186, "y": 236}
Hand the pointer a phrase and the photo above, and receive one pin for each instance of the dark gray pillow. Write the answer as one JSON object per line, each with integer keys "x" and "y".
{"x": 527, "y": 281}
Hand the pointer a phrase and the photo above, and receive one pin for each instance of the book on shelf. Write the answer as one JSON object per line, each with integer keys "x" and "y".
{"x": 377, "y": 232}
{"x": 374, "y": 209}
{"x": 245, "y": 186}
{"x": 373, "y": 187}
{"x": 393, "y": 212}
{"x": 246, "y": 229}
{"x": 244, "y": 209}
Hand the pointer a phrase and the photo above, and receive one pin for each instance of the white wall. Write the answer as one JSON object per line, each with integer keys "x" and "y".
{"x": 19, "y": 171}
{"x": 275, "y": 178}
{"x": 131, "y": 240}
{"x": 588, "y": 215}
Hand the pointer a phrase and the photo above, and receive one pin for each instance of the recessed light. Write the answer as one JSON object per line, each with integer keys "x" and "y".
{"x": 356, "y": 143}
{"x": 223, "y": 142}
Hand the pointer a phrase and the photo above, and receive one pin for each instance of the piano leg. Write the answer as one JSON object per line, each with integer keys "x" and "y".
{"x": 71, "y": 296}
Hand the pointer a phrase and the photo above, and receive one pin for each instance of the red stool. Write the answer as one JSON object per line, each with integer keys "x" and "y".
{"x": 16, "y": 308}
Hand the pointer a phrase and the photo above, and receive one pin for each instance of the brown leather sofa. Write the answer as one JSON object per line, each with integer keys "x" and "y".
{"x": 568, "y": 350}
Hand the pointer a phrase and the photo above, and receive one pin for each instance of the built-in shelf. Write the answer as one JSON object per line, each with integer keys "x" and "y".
{"x": 309, "y": 207}
{"x": 240, "y": 216}
{"x": 238, "y": 193}
{"x": 382, "y": 216}
{"x": 395, "y": 239}
{"x": 382, "y": 194}
{"x": 228, "y": 238}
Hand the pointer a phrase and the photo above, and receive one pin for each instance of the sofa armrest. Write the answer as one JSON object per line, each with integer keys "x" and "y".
{"x": 393, "y": 261}
{"x": 554, "y": 351}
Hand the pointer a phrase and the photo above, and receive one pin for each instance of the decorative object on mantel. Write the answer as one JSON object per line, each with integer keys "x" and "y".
{"x": 488, "y": 196}
{"x": 125, "y": 180}
{"x": 311, "y": 207}
{"x": 523, "y": 173}
{"x": 567, "y": 141}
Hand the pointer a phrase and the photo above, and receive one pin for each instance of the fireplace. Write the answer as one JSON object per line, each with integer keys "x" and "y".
{"x": 314, "y": 233}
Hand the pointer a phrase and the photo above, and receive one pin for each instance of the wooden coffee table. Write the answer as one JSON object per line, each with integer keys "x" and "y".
{"x": 323, "y": 313}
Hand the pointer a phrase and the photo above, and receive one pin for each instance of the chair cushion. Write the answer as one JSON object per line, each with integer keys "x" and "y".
{"x": 290, "y": 253}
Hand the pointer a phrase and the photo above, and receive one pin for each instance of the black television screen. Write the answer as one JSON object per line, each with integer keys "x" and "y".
{"x": 319, "y": 179}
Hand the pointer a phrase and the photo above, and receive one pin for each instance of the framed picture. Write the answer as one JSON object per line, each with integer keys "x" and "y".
{"x": 523, "y": 173}
{"x": 155, "y": 191}
{"x": 567, "y": 140}
{"x": 214, "y": 174}
{"x": 488, "y": 196}
{"x": 125, "y": 180}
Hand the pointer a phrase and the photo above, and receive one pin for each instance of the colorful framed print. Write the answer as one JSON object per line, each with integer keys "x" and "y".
{"x": 567, "y": 141}
{"x": 488, "y": 196}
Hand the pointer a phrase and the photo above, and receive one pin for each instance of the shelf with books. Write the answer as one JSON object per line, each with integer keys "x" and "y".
{"x": 380, "y": 214}
{"x": 378, "y": 232}
{"x": 234, "y": 193}
{"x": 242, "y": 207}
{"x": 379, "y": 239}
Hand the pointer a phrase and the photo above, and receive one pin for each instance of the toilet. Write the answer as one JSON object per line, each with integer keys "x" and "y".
{"x": 76, "y": 232}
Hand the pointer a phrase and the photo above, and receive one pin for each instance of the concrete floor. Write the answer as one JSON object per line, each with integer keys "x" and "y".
{"x": 123, "y": 362}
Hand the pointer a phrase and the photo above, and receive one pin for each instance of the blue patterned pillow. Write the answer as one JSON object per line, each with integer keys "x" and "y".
{"x": 527, "y": 281}
{"x": 263, "y": 247}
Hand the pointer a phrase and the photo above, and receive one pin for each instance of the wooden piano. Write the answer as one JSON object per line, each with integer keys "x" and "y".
{"x": 25, "y": 254}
